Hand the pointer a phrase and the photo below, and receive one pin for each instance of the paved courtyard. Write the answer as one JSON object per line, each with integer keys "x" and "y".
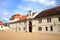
{"x": 28, "y": 36}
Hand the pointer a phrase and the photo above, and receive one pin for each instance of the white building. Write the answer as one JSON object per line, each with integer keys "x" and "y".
{"x": 3, "y": 27}
{"x": 18, "y": 25}
{"x": 47, "y": 21}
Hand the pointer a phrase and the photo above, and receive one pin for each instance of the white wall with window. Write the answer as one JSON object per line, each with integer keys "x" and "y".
{"x": 48, "y": 24}
{"x": 3, "y": 28}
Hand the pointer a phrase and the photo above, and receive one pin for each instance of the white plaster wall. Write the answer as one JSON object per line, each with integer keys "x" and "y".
{"x": 16, "y": 26}
{"x": 4, "y": 28}
{"x": 54, "y": 20}
{"x": 16, "y": 19}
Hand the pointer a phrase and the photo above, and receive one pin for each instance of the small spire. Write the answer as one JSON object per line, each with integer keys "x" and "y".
{"x": 30, "y": 11}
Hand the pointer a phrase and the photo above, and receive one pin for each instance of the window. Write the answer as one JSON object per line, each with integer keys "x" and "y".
{"x": 49, "y": 20}
{"x": 51, "y": 28}
{"x": 46, "y": 28}
{"x": 40, "y": 21}
{"x": 1, "y": 26}
{"x": 39, "y": 28}
{"x": 24, "y": 28}
{"x": 58, "y": 18}
{"x": 19, "y": 29}
{"x": 22, "y": 23}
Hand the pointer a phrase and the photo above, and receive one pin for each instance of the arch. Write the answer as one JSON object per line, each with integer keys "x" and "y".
{"x": 30, "y": 26}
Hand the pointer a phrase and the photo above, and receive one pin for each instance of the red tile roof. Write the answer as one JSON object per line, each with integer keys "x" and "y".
{"x": 15, "y": 16}
{"x": 23, "y": 18}
{"x": 1, "y": 23}
{"x": 49, "y": 12}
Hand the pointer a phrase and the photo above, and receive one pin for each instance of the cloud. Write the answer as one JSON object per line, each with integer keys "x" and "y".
{"x": 4, "y": 11}
{"x": 43, "y": 2}
{"x": 48, "y": 2}
{"x": 28, "y": 8}
{"x": 18, "y": 8}
{"x": 29, "y": 0}
{"x": 22, "y": 9}
{"x": 5, "y": 14}
{"x": 6, "y": 3}
{"x": 6, "y": 19}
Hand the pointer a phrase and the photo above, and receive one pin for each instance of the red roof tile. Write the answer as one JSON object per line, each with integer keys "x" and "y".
{"x": 23, "y": 18}
{"x": 1, "y": 23}
{"x": 49, "y": 12}
{"x": 15, "y": 16}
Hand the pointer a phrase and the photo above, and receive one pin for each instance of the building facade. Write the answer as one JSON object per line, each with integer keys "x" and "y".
{"x": 3, "y": 26}
{"x": 18, "y": 23}
{"x": 47, "y": 21}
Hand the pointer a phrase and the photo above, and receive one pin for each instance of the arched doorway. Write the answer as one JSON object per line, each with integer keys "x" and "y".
{"x": 30, "y": 26}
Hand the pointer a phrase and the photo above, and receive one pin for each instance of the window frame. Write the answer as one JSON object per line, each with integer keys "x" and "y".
{"x": 48, "y": 20}
{"x": 39, "y": 28}
{"x": 51, "y": 28}
{"x": 46, "y": 28}
{"x": 40, "y": 21}
{"x": 19, "y": 28}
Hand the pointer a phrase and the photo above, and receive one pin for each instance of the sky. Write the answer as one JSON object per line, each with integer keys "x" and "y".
{"x": 11, "y": 7}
